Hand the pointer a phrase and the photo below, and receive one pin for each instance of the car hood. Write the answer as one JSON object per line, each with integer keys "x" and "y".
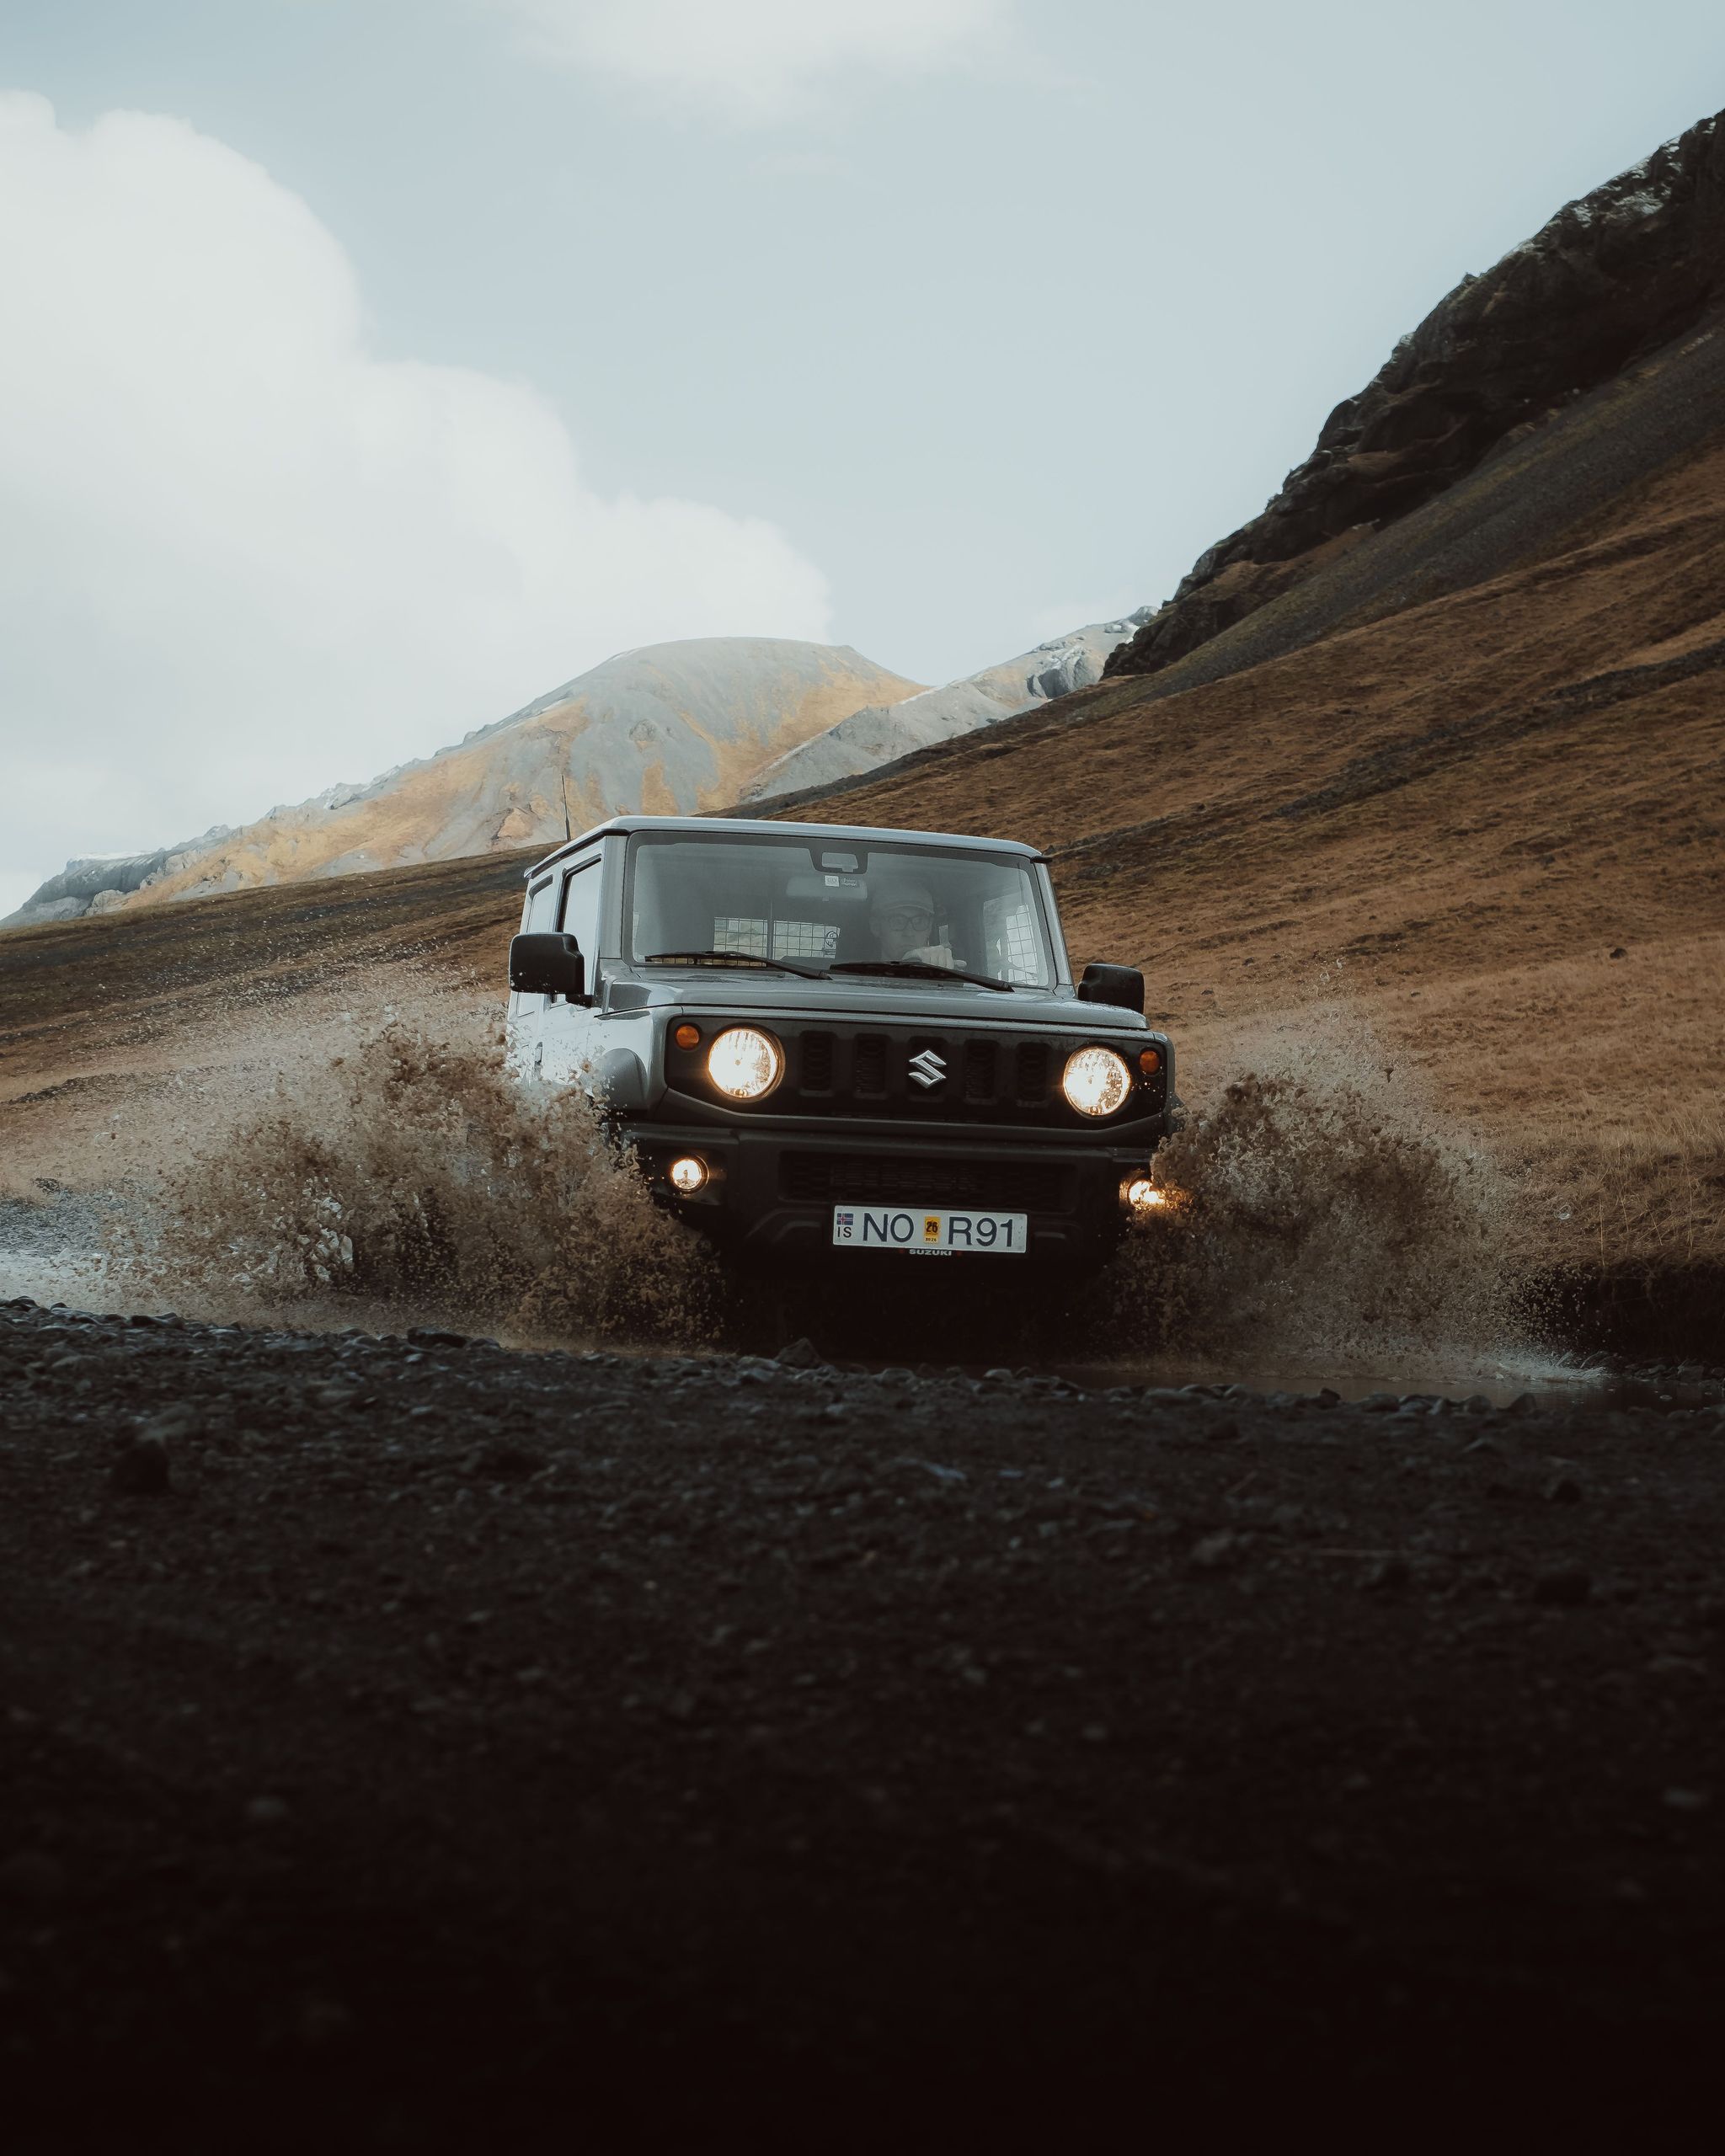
{"x": 858, "y": 997}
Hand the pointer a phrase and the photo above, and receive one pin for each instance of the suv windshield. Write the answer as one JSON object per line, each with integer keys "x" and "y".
{"x": 838, "y": 903}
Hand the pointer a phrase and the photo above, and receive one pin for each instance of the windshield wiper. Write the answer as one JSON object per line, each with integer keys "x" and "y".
{"x": 732, "y": 958}
{"x": 919, "y": 969}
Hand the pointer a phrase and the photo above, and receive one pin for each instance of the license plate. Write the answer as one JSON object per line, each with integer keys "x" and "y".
{"x": 926, "y": 1233}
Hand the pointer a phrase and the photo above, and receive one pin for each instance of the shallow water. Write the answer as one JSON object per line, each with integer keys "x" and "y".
{"x": 1549, "y": 1381}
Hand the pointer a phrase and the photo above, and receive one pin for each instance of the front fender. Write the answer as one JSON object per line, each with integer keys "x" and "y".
{"x": 619, "y": 1078}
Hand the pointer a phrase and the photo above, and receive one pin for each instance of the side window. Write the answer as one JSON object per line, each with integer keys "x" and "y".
{"x": 1010, "y": 942}
{"x": 580, "y": 911}
{"x": 542, "y": 909}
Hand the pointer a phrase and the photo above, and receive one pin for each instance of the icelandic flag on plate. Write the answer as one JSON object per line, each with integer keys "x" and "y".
{"x": 842, "y": 1222}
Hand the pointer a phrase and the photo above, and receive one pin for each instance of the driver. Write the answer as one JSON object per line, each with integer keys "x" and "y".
{"x": 902, "y": 916}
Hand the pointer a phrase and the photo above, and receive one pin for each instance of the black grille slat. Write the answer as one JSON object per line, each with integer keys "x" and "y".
{"x": 868, "y": 1066}
{"x": 815, "y": 1074}
{"x": 1032, "y": 1073}
{"x": 871, "y": 1179}
{"x": 981, "y": 1058}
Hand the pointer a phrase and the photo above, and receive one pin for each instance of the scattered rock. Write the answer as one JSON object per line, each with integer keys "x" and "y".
{"x": 1219, "y": 1552}
{"x": 801, "y": 1354}
{"x": 140, "y": 1470}
{"x": 173, "y": 1424}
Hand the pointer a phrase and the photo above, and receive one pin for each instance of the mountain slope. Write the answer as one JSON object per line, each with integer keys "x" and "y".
{"x": 880, "y": 734}
{"x": 668, "y": 727}
{"x": 1625, "y": 271}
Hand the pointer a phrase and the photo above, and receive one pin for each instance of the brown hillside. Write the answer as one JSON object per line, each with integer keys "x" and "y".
{"x": 1493, "y": 825}
{"x": 95, "y": 1015}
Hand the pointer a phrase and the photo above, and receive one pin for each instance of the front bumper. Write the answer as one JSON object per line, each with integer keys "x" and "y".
{"x": 772, "y": 1194}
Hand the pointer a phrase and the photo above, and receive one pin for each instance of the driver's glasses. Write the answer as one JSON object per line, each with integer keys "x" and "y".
{"x": 914, "y": 922}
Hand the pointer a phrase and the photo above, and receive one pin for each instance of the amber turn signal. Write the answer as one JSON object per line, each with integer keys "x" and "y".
{"x": 1150, "y": 1061}
{"x": 687, "y": 1036}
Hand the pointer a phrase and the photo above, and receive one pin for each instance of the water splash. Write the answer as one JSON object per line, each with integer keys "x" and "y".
{"x": 390, "y": 1169}
{"x": 1321, "y": 1209}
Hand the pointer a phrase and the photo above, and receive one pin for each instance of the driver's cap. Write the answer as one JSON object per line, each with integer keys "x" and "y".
{"x": 895, "y": 894}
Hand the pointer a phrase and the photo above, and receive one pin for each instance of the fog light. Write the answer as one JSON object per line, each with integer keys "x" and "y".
{"x": 687, "y": 1036}
{"x": 687, "y": 1175}
{"x": 1141, "y": 1194}
{"x": 1150, "y": 1061}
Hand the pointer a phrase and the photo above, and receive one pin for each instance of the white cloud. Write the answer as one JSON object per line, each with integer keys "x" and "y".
{"x": 243, "y": 557}
{"x": 759, "y": 60}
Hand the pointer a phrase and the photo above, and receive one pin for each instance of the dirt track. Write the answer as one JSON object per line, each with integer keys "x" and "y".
{"x": 469, "y": 1743}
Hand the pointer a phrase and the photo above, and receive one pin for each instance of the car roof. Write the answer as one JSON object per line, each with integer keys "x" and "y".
{"x": 747, "y": 827}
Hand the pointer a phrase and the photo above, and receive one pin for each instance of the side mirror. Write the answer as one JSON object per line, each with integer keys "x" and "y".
{"x": 1120, "y": 985}
{"x": 547, "y": 965}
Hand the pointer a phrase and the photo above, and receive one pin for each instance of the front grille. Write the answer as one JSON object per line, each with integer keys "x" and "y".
{"x": 915, "y": 1075}
{"x": 870, "y": 1179}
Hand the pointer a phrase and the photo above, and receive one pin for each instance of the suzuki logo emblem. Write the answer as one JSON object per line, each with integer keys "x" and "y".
{"x": 927, "y": 1069}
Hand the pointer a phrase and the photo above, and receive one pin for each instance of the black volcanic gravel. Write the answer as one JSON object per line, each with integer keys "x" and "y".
{"x": 412, "y": 1744}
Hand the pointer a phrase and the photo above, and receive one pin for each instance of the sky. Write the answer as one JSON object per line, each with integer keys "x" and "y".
{"x": 368, "y": 367}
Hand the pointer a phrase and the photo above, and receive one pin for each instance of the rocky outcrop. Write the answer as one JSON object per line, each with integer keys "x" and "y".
{"x": 99, "y": 883}
{"x": 1610, "y": 280}
{"x": 880, "y": 734}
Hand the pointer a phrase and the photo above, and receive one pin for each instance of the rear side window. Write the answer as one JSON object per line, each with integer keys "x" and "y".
{"x": 542, "y": 908}
{"x": 581, "y": 907}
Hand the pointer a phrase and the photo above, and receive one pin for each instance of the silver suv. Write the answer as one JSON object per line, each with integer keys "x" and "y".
{"x": 835, "y": 1043}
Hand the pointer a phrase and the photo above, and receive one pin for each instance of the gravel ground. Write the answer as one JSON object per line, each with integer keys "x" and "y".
{"x": 409, "y": 1740}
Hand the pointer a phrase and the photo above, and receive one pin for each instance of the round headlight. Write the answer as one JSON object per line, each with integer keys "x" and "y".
{"x": 744, "y": 1063}
{"x": 1096, "y": 1080}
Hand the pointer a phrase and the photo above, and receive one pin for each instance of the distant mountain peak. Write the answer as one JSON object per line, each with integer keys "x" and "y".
{"x": 679, "y": 726}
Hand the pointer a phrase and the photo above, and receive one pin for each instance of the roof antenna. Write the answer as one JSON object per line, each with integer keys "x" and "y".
{"x": 563, "y": 781}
